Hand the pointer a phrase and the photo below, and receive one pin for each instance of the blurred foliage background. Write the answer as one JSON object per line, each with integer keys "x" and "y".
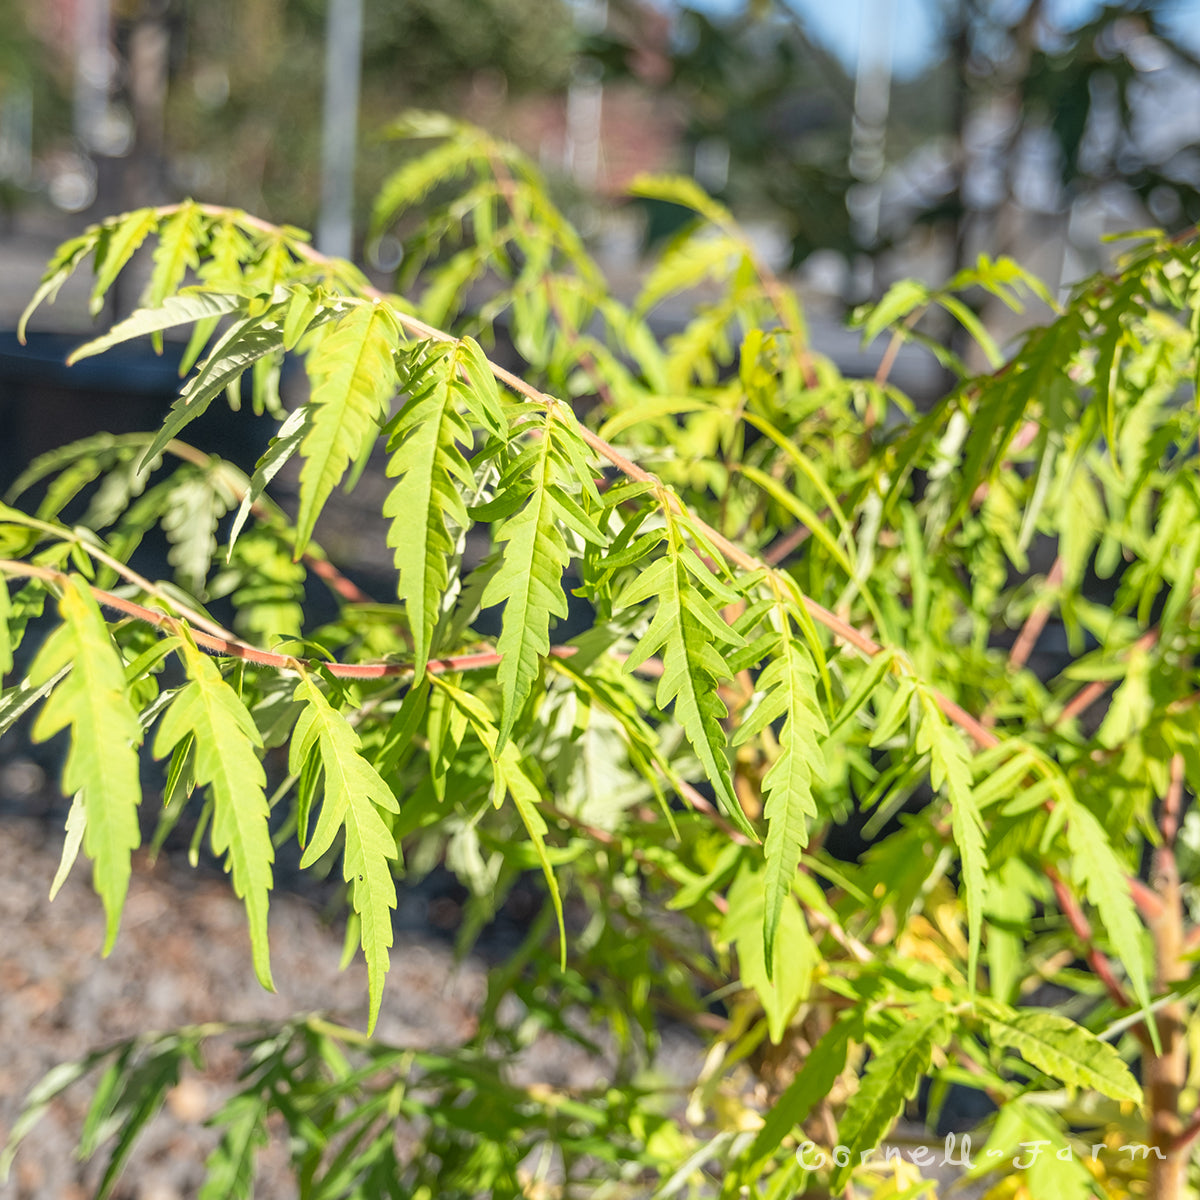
{"x": 1028, "y": 127}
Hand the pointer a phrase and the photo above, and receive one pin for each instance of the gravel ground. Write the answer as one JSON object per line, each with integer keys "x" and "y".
{"x": 182, "y": 957}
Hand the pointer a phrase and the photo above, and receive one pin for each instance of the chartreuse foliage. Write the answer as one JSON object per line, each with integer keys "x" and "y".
{"x": 102, "y": 763}
{"x": 222, "y": 744}
{"x": 354, "y": 794}
{"x": 808, "y": 606}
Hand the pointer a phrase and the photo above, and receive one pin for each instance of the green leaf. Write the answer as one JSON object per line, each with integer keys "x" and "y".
{"x": 687, "y": 629}
{"x": 17, "y": 701}
{"x": 426, "y": 507}
{"x": 229, "y": 1170}
{"x": 243, "y": 344}
{"x": 898, "y": 302}
{"x": 137, "y": 1097}
{"x": 679, "y": 189}
{"x": 794, "y": 951}
{"x": 1102, "y": 876}
{"x": 178, "y": 250}
{"x": 354, "y": 792}
{"x": 195, "y": 507}
{"x": 76, "y": 824}
{"x": 116, "y": 247}
{"x": 39, "y": 1099}
{"x": 62, "y": 266}
{"x": 688, "y": 264}
{"x": 185, "y": 309}
{"x": 891, "y": 1077}
{"x": 284, "y": 445}
{"x": 353, "y": 376}
{"x": 511, "y": 779}
{"x": 788, "y": 690}
{"x": 1061, "y": 1049}
{"x": 302, "y": 307}
{"x": 950, "y": 765}
{"x": 413, "y": 182}
{"x": 225, "y": 759}
{"x": 1039, "y": 1137}
{"x": 102, "y": 759}
{"x": 482, "y": 393}
{"x": 529, "y": 580}
{"x": 972, "y": 324}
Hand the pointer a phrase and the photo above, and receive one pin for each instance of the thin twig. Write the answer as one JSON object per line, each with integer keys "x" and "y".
{"x": 1088, "y": 695}
{"x": 1022, "y": 648}
{"x": 1083, "y": 931}
{"x": 1172, "y": 805}
{"x": 231, "y": 647}
{"x": 127, "y": 573}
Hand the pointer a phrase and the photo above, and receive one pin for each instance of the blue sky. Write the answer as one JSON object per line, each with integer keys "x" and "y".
{"x": 914, "y": 24}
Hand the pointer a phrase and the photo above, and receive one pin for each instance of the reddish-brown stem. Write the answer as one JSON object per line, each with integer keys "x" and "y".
{"x": 1164, "y": 1074}
{"x": 1188, "y": 1134}
{"x": 1022, "y": 648}
{"x": 1082, "y": 929}
{"x": 337, "y": 582}
{"x": 776, "y": 553}
{"x": 234, "y": 648}
{"x": 1147, "y": 900}
{"x": 888, "y": 361}
{"x": 889, "y": 358}
{"x": 1087, "y": 696}
{"x": 313, "y": 559}
{"x": 1029, "y": 633}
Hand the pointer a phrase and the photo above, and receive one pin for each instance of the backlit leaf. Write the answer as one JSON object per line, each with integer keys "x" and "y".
{"x": 354, "y": 792}
{"x": 891, "y": 1077}
{"x": 1062, "y": 1049}
{"x": 788, "y": 691}
{"x": 225, "y": 759}
{"x": 353, "y": 379}
{"x": 102, "y": 760}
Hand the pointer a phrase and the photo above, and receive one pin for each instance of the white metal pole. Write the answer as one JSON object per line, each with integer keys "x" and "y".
{"x": 343, "y": 62}
{"x": 872, "y": 94}
{"x": 93, "y": 70}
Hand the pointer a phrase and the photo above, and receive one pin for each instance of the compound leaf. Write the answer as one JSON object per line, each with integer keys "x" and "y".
{"x": 174, "y": 311}
{"x": 354, "y": 793}
{"x": 686, "y": 629}
{"x": 426, "y": 508}
{"x": 242, "y": 345}
{"x": 789, "y": 691}
{"x": 117, "y": 244}
{"x": 178, "y": 250}
{"x": 102, "y": 760}
{"x": 951, "y": 765}
{"x": 529, "y": 581}
{"x": 890, "y": 1078}
{"x": 353, "y": 377}
{"x": 225, "y": 759}
{"x": 1062, "y": 1049}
